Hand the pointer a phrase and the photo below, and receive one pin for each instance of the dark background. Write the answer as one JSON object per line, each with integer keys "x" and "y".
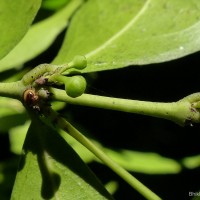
{"x": 165, "y": 82}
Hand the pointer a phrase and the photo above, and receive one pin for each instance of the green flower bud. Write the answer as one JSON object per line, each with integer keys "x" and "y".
{"x": 75, "y": 86}
{"x": 79, "y": 62}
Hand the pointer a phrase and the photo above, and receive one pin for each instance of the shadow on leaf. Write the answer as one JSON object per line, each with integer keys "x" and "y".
{"x": 50, "y": 167}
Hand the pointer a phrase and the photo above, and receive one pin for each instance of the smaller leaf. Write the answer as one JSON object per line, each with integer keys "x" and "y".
{"x": 11, "y": 114}
{"x": 10, "y": 106}
{"x": 111, "y": 186}
{"x": 15, "y": 19}
{"x": 142, "y": 162}
{"x": 10, "y": 121}
{"x": 50, "y": 169}
{"x": 150, "y": 163}
{"x": 39, "y": 37}
{"x": 191, "y": 162}
{"x": 17, "y": 136}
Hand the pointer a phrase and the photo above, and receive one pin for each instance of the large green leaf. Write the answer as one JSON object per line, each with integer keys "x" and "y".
{"x": 115, "y": 33}
{"x": 15, "y": 19}
{"x": 134, "y": 161}
{"x": 50, "y": 169}
{"x": 149, "y": 163}
{"x": 39, "y": 37}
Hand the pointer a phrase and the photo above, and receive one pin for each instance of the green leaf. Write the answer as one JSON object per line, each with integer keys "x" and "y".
{"x": 191, "y": 162}
{"x": 40, "y": 36}
{"x": 55, "y": 170}
{"x": 149, "y": 163}
{"x": 114, "y": 33}
{"x": 12, "y": 113}
{"x": 10, "y": 106}
{"x": 142, "y": 162}
{"x": 53, "y": 5}
{"x": 17, "y": 136}
{"x": 9, "y": 121}
{"x": 15, "y": 19}
{"x": 112, "y": 187}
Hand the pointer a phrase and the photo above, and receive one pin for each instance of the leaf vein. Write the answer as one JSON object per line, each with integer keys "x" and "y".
{"x": 121, "y": 32}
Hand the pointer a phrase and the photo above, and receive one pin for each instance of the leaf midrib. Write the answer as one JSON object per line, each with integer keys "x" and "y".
{"x": 121, "y": 32}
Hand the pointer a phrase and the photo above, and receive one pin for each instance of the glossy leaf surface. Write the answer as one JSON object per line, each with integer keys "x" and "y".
{"x": 133, "y": 32}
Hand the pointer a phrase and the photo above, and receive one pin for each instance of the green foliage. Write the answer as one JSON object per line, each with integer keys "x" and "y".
{"x": 54, "y": 5}
{"x": 123, "y": 34}
{"x": 110, "y": 34}
{"x": 56, "y": 172}
{"x": 17, "y": 136}
{"x": 43, "y": 34}
{"x": 20, "y": 13}
{"x": 12, "y": 113}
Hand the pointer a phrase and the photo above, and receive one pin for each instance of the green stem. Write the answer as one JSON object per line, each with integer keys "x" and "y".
{"x": 55, "y": 119}
{"x": 13, "y": 89}
{"x": 58, "y": 78}
{"x": 179, "y": 112}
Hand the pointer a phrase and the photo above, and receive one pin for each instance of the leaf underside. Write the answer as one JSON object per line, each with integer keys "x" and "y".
{"x": 133, "y": 32}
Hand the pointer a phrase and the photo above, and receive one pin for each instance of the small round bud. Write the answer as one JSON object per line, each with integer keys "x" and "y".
{"x": 79, "y": 62}
{"x": 75, "y": 86}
